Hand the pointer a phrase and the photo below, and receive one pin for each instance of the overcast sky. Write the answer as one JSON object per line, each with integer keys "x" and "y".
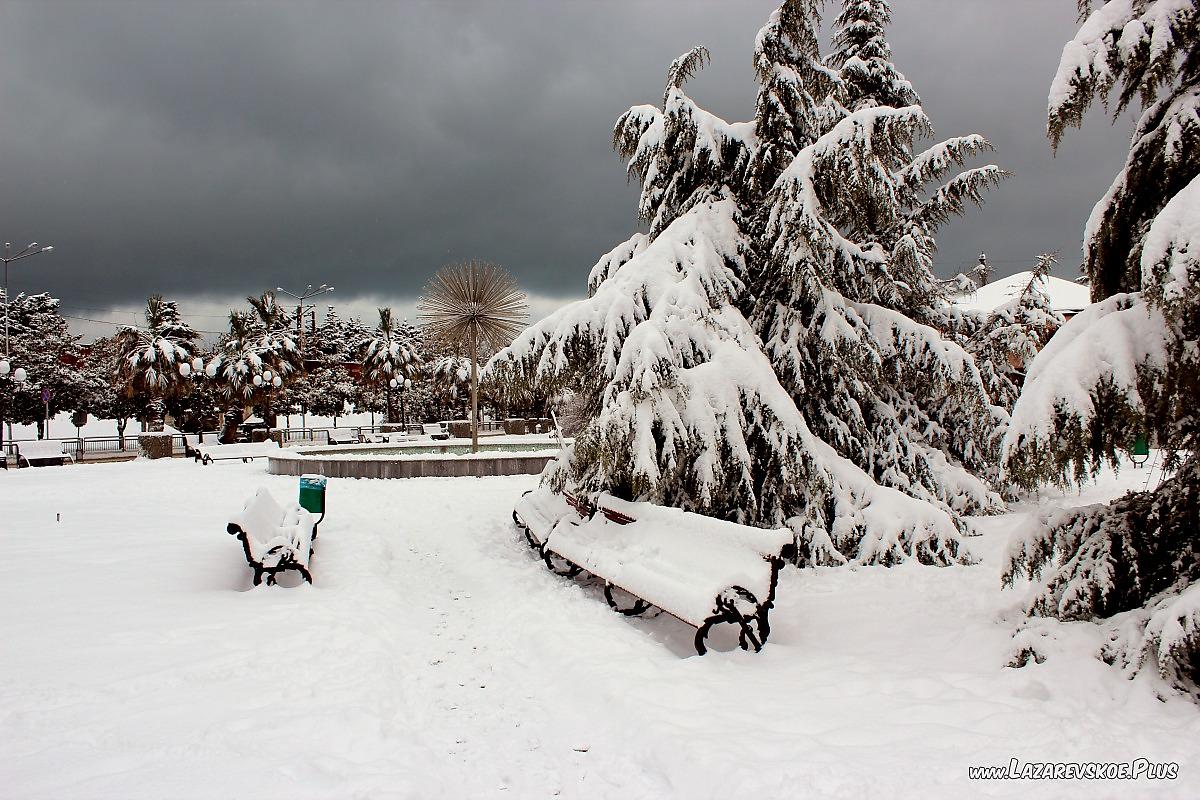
{"x": 209, "y": 150}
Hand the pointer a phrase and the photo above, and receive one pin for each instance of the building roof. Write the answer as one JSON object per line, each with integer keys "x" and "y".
{"x": 1065, "y": 297}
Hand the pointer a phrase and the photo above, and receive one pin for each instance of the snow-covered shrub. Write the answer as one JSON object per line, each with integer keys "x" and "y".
{"x": 1128, "y": 366}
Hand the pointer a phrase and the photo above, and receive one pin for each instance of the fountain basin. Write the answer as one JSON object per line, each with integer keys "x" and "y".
{"x": 500, "y": 455}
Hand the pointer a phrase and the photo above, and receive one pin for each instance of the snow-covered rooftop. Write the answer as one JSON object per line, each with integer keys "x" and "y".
{"x": 1065, "y": 296}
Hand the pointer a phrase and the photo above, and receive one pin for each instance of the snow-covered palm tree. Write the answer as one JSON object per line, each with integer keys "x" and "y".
{"x": 390, "y": 358}
{"x": 155, "y": 361}
{"x": 257, "y": 356}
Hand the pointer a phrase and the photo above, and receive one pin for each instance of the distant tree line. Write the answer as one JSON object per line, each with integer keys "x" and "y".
{"x": 163, "y": 369}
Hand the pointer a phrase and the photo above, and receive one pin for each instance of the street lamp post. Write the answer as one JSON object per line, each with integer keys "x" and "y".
{"x": 302, "y": 298}
{"x": 18, "y": 374}
{"x": 401, "y": 384}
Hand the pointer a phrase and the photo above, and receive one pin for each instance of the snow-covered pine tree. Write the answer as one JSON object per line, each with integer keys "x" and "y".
{"x": 104, "y": 398}
{"x": 328, "y": 342}
{"x": 685, "y": 407}
{"x": 154, "y": 362}
{"x": 1130, "y": 364}
{"x": 330, "y": 388}
{"x": 43, "y": 346}
{"x": 863, "y": 58}
{"x": 793, "y": 105}
{"x": 357, "y": 334}
{"x": 901, "y": 214}
{"x": 1012, "y": 334}
{"x": 846, "y": 299}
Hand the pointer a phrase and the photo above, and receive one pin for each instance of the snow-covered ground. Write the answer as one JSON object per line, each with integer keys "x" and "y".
{"x": 435, "y": 657}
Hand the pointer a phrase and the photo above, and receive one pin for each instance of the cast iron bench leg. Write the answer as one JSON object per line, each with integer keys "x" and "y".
{"x": 638, "y": 608}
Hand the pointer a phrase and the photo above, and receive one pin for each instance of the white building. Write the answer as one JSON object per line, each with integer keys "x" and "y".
{"x": 1066, "y": 298}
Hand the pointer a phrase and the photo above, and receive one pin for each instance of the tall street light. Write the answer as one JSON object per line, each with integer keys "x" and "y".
{"x": 32, "y": 249}
{"x": 302, "y": 298}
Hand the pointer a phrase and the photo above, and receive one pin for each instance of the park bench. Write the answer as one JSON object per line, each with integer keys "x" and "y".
{"x": 701, "y": 570}
{"x": 275, "y": 539}
{"x": 247, "y": 451}
{"x": 434, "y": 431}
{"x": 386, "y": 438}
{"x": 343, "y": 436}
{"x": 190, "y": 442}
{"x": 42, "y": 453}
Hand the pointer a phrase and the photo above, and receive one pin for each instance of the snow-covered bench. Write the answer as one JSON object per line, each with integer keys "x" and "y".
{"x": 42, "y": 453}
{"x": 275, "y": 539}
{"x": 386, "y": 438}
{"x": 700, "y": 570}
{"x": 434, "y": 431}
{"x": 190, "y": 442}
{"x": 343, "y": 436}
{"x": 246, "y": 451}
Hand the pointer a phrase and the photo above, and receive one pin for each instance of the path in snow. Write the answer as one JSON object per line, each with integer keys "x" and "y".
{"x": 435, "y": 656}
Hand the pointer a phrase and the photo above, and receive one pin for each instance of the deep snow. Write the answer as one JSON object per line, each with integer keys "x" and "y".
{"x": 436, "y": 657}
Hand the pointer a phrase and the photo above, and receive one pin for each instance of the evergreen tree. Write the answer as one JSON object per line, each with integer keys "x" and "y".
{"x": 356, "y": 336}
{"x": 339, "y": 341}
{"x": 330, "y": 389}
{"x": 154, "y": 362}
{"x": 1012, "y": 334}
{"x": 787, "y": 115}
{"x": 846, "y": 300}
{"x": 104, "y": 397}
{"x": 328, "y": 342}
{"x": 42, "y": 344}
{"x": 863, "y": 58}
{"x": 746, "y": 358}
{"x": 1130, "y": 364}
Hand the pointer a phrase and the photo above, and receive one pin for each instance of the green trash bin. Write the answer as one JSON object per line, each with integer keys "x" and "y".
{"x": 312, "y": 494}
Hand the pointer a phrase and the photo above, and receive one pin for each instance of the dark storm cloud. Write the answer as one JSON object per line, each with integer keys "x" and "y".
{"x": 221, "y": 149}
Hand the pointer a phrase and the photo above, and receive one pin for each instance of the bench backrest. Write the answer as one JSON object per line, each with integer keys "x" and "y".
{"x": 540, "y": 511}
{"x": 41, "y": 449}
{"x": 431, "y": 428}
{"x": 236, "y": 450}
{"x": 261, "y": 516}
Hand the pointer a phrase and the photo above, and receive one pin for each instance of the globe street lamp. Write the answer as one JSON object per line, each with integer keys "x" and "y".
{"x": 401, "y": 384}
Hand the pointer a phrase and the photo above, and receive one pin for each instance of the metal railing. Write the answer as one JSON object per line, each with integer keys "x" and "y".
{"x": 99, "y": 447}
